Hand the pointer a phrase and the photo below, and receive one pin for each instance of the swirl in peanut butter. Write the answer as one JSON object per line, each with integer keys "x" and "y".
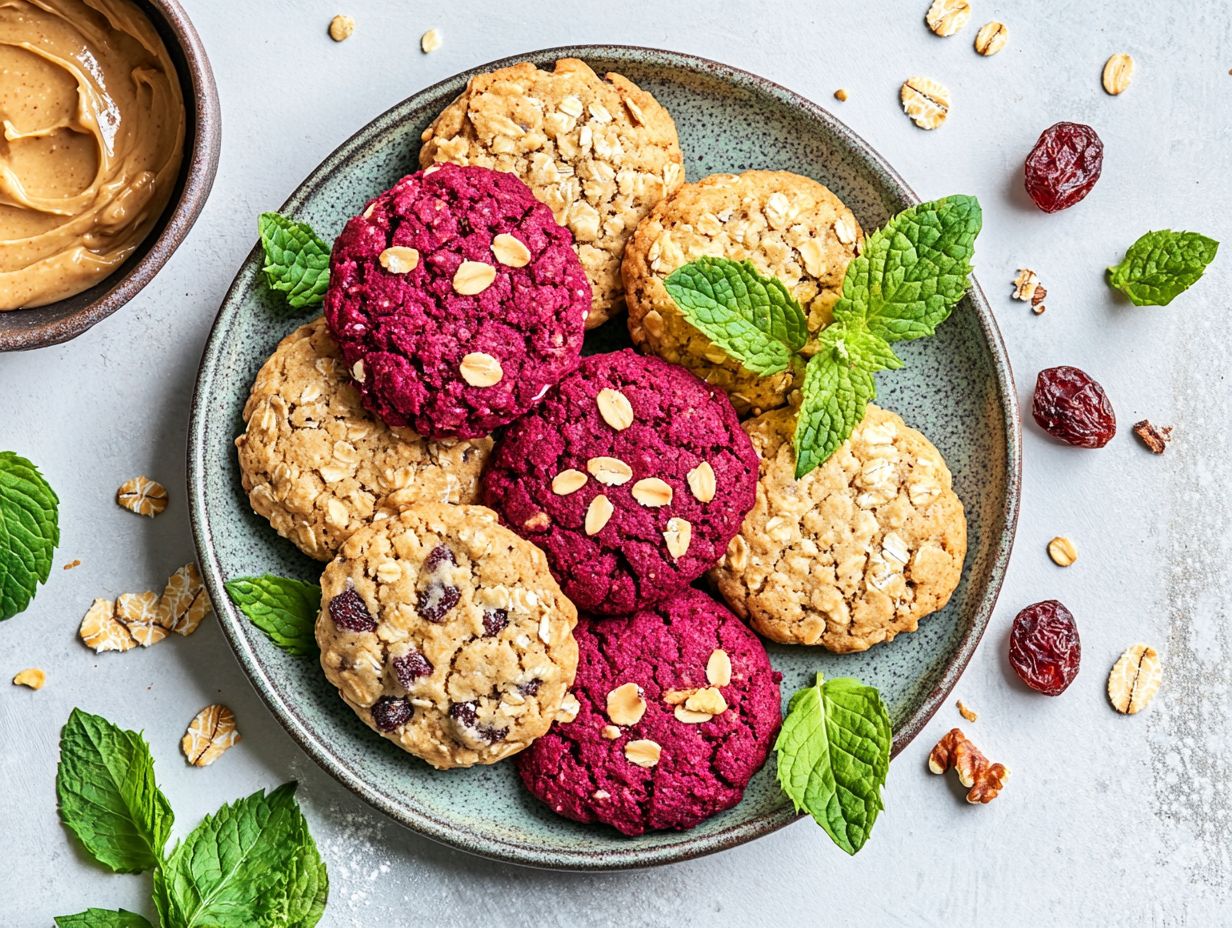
{"x": 91, "y": 137}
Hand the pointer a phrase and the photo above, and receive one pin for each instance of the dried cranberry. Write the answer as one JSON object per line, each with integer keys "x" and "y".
{"x": 492, "y": 734}
{"x": 438, "y": 597}
{"x": 1072, "y": 407}
{"x": 348, "y": 611}
{"x": 438, "y": 556}
{"x": 1063, "y": 166}
{"x": 390, "y": 712}
{"x": 530, "y": 687}
{"x": 1044, "y": 647}
{"x": 494, "y": 620}
{"x": 463, "y": 712}
{"x": 410, "y": 667}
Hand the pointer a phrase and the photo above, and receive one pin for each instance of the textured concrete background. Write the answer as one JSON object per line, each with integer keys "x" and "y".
{"x": 1108, "y": 816}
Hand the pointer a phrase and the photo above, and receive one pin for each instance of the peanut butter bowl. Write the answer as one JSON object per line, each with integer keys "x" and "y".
{"x": 109, "y": 138}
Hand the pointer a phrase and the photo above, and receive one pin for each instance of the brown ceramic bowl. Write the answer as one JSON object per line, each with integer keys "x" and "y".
{"x": 58, "y": 322}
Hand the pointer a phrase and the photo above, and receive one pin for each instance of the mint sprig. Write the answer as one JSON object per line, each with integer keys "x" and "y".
{"x": 904, "y": 284}
{"x": 833, "y": 756}
{"x": 1162, "y": 265}
{"x": 284, "y": 608}
{"x": 102, "y": 918}
{"x": 296, "y": 259}
{"x": 29, "y": 532}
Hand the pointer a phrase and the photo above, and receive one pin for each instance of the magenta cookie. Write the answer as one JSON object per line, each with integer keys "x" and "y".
{"x": 632, "y": 475}
{"x": 679, "y": 706}
{"x": 457, "y": 301}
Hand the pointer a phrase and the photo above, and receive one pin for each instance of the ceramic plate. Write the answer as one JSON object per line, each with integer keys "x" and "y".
{"x": 956, "y": 387}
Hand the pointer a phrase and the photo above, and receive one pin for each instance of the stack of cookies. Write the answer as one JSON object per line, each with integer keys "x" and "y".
{"x": 474, "y": 482}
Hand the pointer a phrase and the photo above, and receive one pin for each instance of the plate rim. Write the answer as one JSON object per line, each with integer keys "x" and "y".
{"x": 609, "y": 859}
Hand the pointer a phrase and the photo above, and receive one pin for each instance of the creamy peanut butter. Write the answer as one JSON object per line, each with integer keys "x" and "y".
{"x": 91, "y": 137}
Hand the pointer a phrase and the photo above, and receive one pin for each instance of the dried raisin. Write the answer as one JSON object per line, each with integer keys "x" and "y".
{"x": 1063, "y": 166}
{"x": 1044, "y": 647}
{"x": 1072, "y": 407}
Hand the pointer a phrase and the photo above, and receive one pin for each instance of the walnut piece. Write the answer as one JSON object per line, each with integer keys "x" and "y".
{"x": 1156, "y": 439}
{"x": 982, "y": 779}
{"x": 209, "y": 735}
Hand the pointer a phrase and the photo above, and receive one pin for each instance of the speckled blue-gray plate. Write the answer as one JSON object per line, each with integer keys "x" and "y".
{"x": 956, "y": 387}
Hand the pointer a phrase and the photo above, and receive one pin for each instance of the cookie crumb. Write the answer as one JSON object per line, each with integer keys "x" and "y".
{"x": 966, "y": 711}
{"x": 73, "y": 563}
{"x": 430, "y": 41}
{"x": 32, "y": 677}
{"x": 1156, "y": 439}
{"x": 210, "y": 734}
{"x": 143, "y": 496}
{"x": 341, "y": 27}
{"x": 841, "y": 95}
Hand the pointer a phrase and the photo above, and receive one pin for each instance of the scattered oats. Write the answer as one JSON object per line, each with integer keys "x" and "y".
{"x": 545, "y": 629}
{"x": 635, "y": 111}
{"x": 209, "y": 735}
{"x": 966, "y": 711}
{"x": 569, "y": 709}
{"x": 691, "y": 717}
{"x": 481, "y": 370}
{"x": 1155, "y": 438}
{"x": 926, "y": 101}
{"x": 71, "y": 564}
{"x": 509, "y": 251}
{"x": 399, "y": 259}
{"x": 32, "y": 677}
{"x": 388, "y": 571}
{"x": 946, "y": 17}
{"x": 643, "y": 752}
{"x": 571, "y": 106}
{"x": 611, "y": 472}
{"x": 678, "y": 536}
{"x": 184, "y": 603}
{"x": 991, "y": 38}
{"x": 708, "y": 700}
{"x": 138, "y": 612}
{"x": 598, "y": 513}
{"x": 1135, "y": 679}
{"x": 143, "y": 496}
{"x": 610, "y": 732}
{"x": 568, "y": 481}
{"x": 718, "y": 668}
{"x": 1062, "y": 551}
{"x": 599, "y": 112}
{"x": 652, "y": 492}
{"x": 844, "y": 232}
{"x": 841, "y": 95}
{"x": 813, "y": 256}
{"x": 702, "y": 482}
{"x": 101, "y": 631}
{"x": 430, "y": 41}
{"x": 626, "y": 704}
{"x": 357, "y": 371}
{"x": 473, "y": 277}
{"x": 1118, "y": 72}
{"x": 341, "y": 27}
{"x": 615, "y": 408}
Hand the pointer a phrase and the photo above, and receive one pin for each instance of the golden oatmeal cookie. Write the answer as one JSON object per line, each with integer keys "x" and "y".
{"x": 601, "y": 152}
{"x": 318, "y": 466}
{"x": 855, "y": 552}
{"x": 788, "y": 226}
{"x": 446, "y": 633}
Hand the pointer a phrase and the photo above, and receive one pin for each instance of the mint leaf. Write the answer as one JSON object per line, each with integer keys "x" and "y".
{"x": 296, "y": 259}
{"x": 285, "y": 609}
{"x": 837, "y": 388}
{"x": 1162, "y": 265}
{"x": 833, "y": 756}
{"x": 29, "y": 532}
{"x": 251, "y": 863}
{"x": 107, "y": 794}
{"x": 753, "y": 318}
{"x": 102, "y": 918}
{"x": 913, "y": 270}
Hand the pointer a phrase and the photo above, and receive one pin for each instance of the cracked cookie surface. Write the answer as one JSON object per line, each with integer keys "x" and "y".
{"x": 446, "y": 633}
{"x": 789, "y": 227}
{"x": 456, "y": 300}
{"x": 318, "y": 466}
{"x": 632, "y": 475}
{"x": 855, "y": 552}
{"x": 599, "y": 151}
{"x": 702, "y": 760}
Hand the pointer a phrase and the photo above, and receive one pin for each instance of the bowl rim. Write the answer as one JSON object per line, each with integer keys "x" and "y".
{"x": 607, "y": 859}
{"x": 181, "y": 215}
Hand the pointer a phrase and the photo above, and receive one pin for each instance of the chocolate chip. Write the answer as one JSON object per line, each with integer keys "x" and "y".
{"x": 348, "y": 611}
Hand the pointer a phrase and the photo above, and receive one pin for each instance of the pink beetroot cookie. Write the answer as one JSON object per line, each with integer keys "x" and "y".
{"x": 457, "y": 300}
{"x": 632, "y": 475}
{"x": 666, "y": 659}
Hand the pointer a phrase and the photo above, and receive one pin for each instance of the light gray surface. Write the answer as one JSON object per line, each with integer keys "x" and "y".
{"x": 1103, "y": 814}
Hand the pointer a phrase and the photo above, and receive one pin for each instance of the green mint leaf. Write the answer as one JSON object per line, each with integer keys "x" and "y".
{"x": 107, "y": 794}
{"x": 913, "y": 270}
{"x": 836, "y": 392}
{"x": 751, "y": 317}
{"x": 833, "y": 756}
{"x": 102, "y": 918}
{"x": 1162, "y": 265}
{"x": 250, "y": 863}
{"x": 29, "y": 532}
{"x": 296, "y": 260}
{"x": 285, "y": 609}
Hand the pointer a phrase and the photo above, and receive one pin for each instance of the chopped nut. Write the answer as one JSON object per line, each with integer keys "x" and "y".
{"x": 841, "y": 95}
{"x": 611, "y": 472}
{"x": 143, "y": 496}
{"x": 991, "y": 38}
{"x": 473, "y": 277}
{"x": 357, "y": 371}
{"x": 568, "y": 481}
{"x": 209, "y": 734}
{"x": 341, "y": 27}
{"x": 702, "y": 482}
{"x": 600, "y": 794}
{"x": 946, "y": 17}
{"x": 982, "y": 779}
{"x": 399, "y": 259}
{"x": 652, "y": 492}
{"x": 1027, "y": 287}
{"x": 615, "y": 408}
{"x": 677, "y": 697}
{"x": 569, "y": 709}
{"x": 718, "y": 668}
{"x": 139, "y": 614}
{"x": 1135, "y": 679}
{"x": 184, "y": 603}
{"x": 102, "y": 631}
{"x": 598, "y": 513}
{"x": 538, "y": 522}
{"x": 73, "y": 563}
{"x": 610, "y": 732}
{"x": 709, "y": 700}
{"x": 1062, "y": 551}
{"x": 626, "y": 704}
{"x": 1118, "y": 72}
{"x": 430, "y": 41}
{"x": 32, "y": 677}
{"x": 1039, "y": 309}
{"x": 480, "y": 369}
{"x": 1156, "y": 439}
{"x": 678, "y": 536}
{"x": 926, "y": 101}
{"x": 509, "y": 251}
{"x": 643, "y": 752}
{"x": 966, "y": 711}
